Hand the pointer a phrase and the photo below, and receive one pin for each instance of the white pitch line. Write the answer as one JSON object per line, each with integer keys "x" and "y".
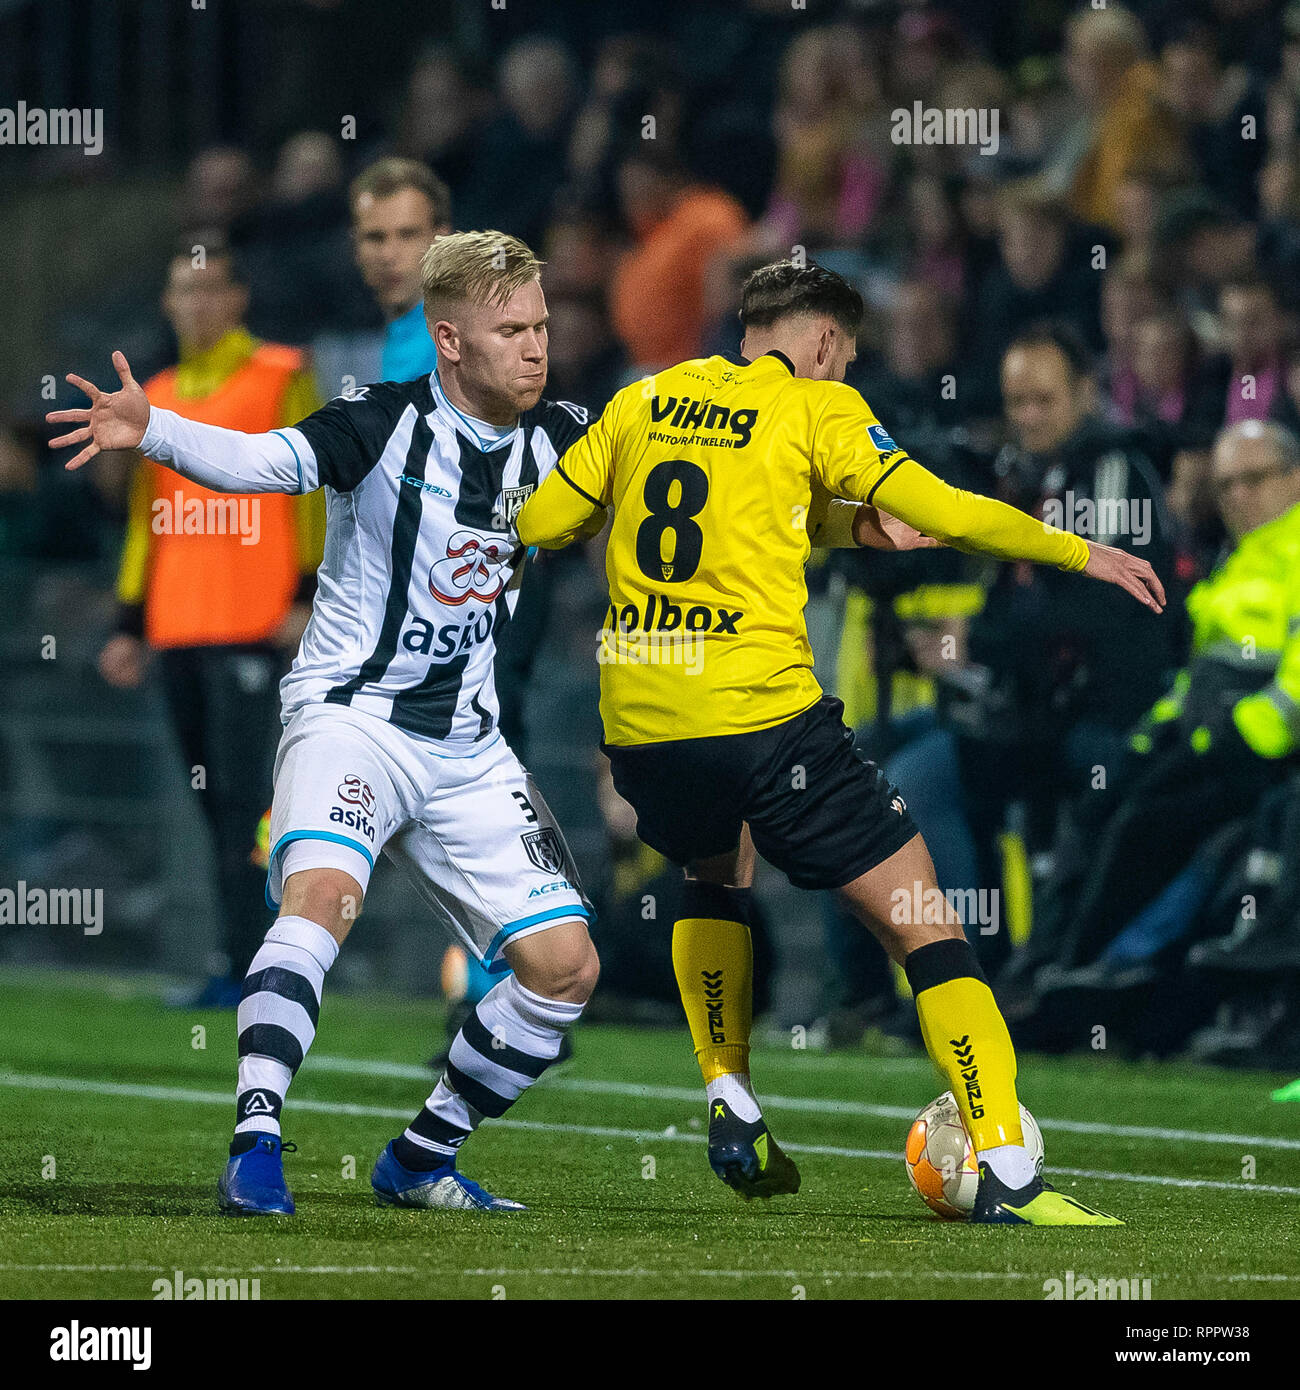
{"x": 405, "y": 1071}
{"x": 579, "y": 1272}
{"x": 644, "y": 1137}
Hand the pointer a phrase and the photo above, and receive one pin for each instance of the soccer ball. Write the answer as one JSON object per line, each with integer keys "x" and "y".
{"x": 941, "y": 1162}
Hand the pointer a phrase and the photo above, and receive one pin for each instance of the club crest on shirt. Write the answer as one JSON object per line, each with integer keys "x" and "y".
{"x": 544, "y": 849}
{"x": 513, "y": 498}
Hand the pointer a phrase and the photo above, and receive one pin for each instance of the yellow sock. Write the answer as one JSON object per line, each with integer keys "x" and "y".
{"x": 967, "y": 1039}
{"x": 713, "y": 959}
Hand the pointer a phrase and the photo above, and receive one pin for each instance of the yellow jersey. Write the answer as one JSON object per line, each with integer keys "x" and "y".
{"x": 722, "y": 473}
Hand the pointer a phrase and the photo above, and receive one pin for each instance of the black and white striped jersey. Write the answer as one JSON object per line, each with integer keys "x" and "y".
{"x": 420, "y": 571}
{"x": 421, "y": 568}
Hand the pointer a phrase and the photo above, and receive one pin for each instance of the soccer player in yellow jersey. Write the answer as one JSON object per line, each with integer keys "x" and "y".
{"x": 721, "y": 472}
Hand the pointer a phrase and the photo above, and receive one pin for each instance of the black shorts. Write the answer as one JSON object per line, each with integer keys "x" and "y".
{"x": 817, "y": 810}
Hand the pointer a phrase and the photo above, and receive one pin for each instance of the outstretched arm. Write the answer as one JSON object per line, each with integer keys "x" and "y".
{"x": 854, "y": 456}
{"x": 983, "y": 525}
{"x": 220, "y": 459}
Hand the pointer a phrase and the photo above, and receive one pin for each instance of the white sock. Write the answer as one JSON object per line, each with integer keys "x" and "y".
{"x": 277, "y": 1018}
{"x": 734, "y": 1087}
{"x": 505, "y": 1044}
{"x": 1011, "y": 1163}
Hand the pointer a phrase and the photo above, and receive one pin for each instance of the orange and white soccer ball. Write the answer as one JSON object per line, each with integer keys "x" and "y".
{"x": 941, "y": 1162}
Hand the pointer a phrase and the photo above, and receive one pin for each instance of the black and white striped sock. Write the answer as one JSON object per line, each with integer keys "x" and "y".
{"x": 509, "y": 1040}
{"x": 277, "y": 1018}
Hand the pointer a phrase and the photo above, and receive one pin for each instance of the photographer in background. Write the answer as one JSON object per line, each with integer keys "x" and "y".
{"x": 1044, "y": 683}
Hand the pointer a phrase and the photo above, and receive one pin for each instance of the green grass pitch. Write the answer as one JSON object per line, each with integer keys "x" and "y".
{"x": 115, "y": 1125}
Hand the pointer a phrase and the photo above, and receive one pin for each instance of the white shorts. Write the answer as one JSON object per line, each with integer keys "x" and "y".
{"x": 471, "y": 832}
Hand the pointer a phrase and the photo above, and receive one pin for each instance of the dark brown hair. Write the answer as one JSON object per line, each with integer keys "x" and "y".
{"x": 783, "y": 289}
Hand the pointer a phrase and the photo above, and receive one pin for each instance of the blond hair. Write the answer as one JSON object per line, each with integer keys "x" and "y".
{"x": 478, "y": 267}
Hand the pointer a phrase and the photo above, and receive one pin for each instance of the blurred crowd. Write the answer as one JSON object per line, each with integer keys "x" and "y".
{"x": 1093, "y": 315}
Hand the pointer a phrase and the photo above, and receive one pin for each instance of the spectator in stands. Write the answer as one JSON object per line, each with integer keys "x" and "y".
{"x": 1251, "y": 377}
{"x": 1164, "y": 355}
{"x": 635, "y": 87}
{"x": 442, "y": 117}
{"x": 585, "y": 363}
{"x": 520, "y": 162}
{"x": 1056, "y": 676}
{"x": 221, "y": 186}
{"x": 1042, "y": 271}
{"x": 829, "y": 185}
{"x": 918, "y": 384}
{"x": 580, "y": 254}
{"x": 1197, "y": 527}
{"x": 1129, "y": 294}
{"x": 1169, "y": 405}
{"x": 941, "y": 248}
{"x": 1120, "y": 120}
{"x": 1206, "y": 246}
{"x": 398, "y": 207}
{"x": 924, "y": 46}
{"x": 678, "y": 226}
{"x": 1215, "y": 107}
{"x": 295, "y": 247}
{"x": 1227, "y": 731}
{"x": 1140, "y": 197}
{"x": 220, "y": 603}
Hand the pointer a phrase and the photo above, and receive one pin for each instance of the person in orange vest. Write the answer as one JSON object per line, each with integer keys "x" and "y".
{"x": 218, "y": 588}
{"x": 657, "y": 298}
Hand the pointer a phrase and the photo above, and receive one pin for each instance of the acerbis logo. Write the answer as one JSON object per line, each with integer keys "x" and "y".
{"x": 579, "y": 412}
{"x": 257, "y": 1105}
{"x": 713, "y": 1001}
{"x": 558, "y": 886}
{"x": 970, "y": 1072}
{"x": 422, "y": 485}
